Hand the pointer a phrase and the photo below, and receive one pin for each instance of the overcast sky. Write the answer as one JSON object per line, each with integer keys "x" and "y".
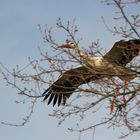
{"x": 20, "y": 37}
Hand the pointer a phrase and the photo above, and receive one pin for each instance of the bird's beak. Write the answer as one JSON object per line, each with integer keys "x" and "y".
{"x": 65, "y": 46}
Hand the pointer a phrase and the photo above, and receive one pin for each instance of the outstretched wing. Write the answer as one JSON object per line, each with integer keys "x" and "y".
{"x": 123, "y": 51}
{"x": 67, "y": 83}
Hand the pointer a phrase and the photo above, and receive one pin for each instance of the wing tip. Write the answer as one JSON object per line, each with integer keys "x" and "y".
{"x": 53, "y": 98}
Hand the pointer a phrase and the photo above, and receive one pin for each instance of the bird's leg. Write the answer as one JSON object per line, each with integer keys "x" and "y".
{"x": 117, "y": 87}
{"x": 111, "y": 107}
{"x": 114, "y": 98}
{"x": 124, "y": 88}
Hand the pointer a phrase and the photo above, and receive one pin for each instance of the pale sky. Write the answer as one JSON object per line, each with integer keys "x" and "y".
{"x": 20, "y": 37}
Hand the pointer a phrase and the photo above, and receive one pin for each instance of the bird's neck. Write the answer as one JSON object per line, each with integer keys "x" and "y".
{"x": 81, "y": 53}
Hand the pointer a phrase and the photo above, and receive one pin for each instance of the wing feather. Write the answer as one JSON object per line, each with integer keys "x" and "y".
{"x": 123, "y": 52}
{"x": 55, "y": 99}
{"x": 60, "y": 99}
{"x": 50, "y": 99}
{"x": 68, "y": 82}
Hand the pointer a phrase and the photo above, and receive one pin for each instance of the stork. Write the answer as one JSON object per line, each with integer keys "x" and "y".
{"x": 113, "y": 63}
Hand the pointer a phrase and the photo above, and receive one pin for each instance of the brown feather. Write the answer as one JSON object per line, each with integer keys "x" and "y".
{"x": 123, "y": 52}
{"x": 68, "y": 82}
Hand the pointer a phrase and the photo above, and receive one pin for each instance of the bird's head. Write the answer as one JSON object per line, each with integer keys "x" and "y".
{"x": 69, "y": 44}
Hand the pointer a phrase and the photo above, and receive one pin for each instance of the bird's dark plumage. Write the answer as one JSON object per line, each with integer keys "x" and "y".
{"x": 67, "y": 83}
{"x": 123, "y": 52}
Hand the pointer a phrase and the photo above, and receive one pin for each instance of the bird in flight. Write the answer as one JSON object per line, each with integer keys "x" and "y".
{"x": 109, "y": 65}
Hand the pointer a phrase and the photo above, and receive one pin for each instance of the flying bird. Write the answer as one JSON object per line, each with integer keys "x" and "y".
{"x": 111, "y": 64}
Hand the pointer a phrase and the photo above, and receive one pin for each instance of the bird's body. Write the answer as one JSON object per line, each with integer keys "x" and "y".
{"x": 97, "y": 62}
{"x": 111, "y": 64}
